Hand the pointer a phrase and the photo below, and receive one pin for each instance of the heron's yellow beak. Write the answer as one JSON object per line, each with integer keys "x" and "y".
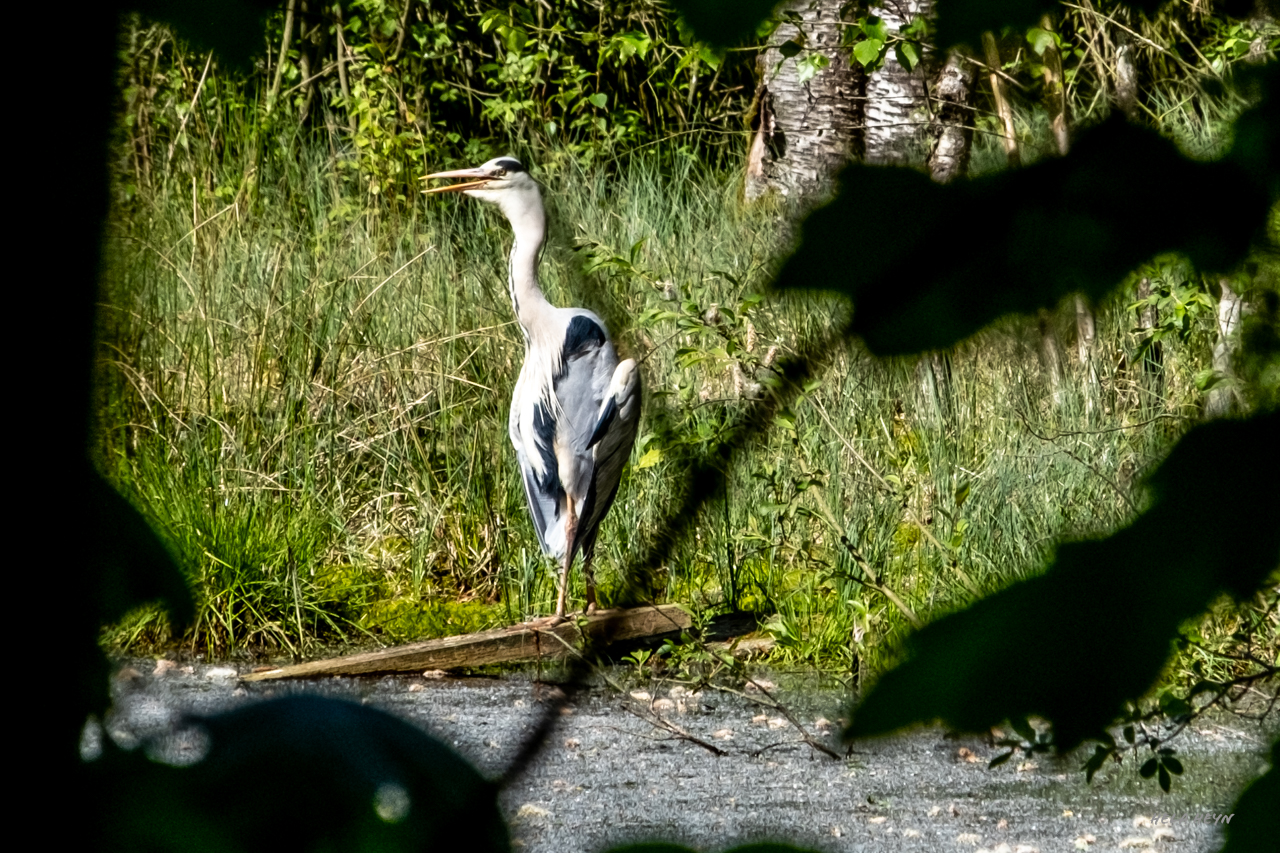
{"x": 477, "y": 178}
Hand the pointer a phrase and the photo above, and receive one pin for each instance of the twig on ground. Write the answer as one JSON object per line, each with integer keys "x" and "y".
{"x": 678, "y": 732}
{"x": 775, "y": 705}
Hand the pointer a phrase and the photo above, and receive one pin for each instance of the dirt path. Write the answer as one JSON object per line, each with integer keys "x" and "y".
{"x": 609, "y": 776}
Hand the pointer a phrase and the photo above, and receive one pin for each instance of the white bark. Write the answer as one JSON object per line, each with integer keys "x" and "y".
{"x": 1085, "y": 339}
{"x": 1126, "y": 85}
{"x": 1224, "y": 397}
{"x": 897, "y": 106}
{"x": 805, "y": 131}
{"x": 953, "y": 113}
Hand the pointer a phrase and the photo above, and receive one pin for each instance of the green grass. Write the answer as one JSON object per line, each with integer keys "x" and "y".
{"x": 309, "y": 399}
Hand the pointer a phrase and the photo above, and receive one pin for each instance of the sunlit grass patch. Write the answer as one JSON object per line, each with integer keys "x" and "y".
{"x": 309, "y": 399}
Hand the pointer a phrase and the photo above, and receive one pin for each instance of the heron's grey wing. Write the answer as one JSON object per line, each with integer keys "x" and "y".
{"x": 587, "y": 363}
{"x": 532, "y": 427}
{"x": 583, "y": 387}
{"x": 542, "y": 505}
{"x": 612, "y": 438}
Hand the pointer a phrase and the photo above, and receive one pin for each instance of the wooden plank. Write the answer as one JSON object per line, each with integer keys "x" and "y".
{"x": 517, "y": 643}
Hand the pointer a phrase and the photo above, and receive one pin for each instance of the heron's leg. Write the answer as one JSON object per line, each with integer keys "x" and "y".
{"x": 588, "y": 554}
{"x": 570, "y": 533}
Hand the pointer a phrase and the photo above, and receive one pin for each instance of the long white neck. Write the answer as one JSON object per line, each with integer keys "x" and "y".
{"x": 529, "y": 224}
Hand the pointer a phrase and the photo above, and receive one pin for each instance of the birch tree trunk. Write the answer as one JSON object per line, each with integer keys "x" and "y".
{"x": 1126, "y": 85}
{"x": 1223, "y": 397}
{"x": 953, "y": 119}
{"x": 896, "y": 96}
{"x": 805, "y": 130}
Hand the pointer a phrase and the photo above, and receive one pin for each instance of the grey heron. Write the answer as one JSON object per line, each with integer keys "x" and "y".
{"x": 575, "y": 408}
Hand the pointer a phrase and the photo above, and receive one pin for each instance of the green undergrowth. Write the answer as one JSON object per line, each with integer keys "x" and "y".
{"x": 308, "y": 398}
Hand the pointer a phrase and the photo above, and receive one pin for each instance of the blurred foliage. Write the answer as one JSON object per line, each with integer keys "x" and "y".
{"x": 399, "y": 88}
{"x": 348, "y": 778}
{"x": 396, "y": 88}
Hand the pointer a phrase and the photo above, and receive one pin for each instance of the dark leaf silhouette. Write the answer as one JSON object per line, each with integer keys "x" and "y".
{"x": 1256, "y": 824}
{"x": 1019, "y": 240}
{"x": 724, "y": 22}
{"x": 999, "y": 759}
{"x": 135, "y": 568}
{"x": 231, "y": 28}
{"x": 302, "y": 773}
{"x": 1095, "y": 630}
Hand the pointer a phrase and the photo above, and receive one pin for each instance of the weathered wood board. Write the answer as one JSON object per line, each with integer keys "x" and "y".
{"x": 514, "y": 644}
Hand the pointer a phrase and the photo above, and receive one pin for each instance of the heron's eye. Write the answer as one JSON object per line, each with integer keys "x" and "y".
{"x": 500, "y": 172}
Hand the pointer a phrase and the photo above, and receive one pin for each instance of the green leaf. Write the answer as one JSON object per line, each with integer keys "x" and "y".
{"x": 1148, "y": 769}
{"x": 789, "y": 48}
{"x": 516, "y": 39}
{"x": 599, "y": 100}
{"x": 1172, "y": 764}
{"x": 810, "y": 64}
{"x": 908, "y": 54}
{"x": 1165, "y": 779}
{"x": 1206, "y": 379}
{"x": 1040, "y": 40}
{"x": 875, "y": 28}
{"x": 689, "y": 356}
{"x": 868, "y": 51}
{"x": 651, "y": 457}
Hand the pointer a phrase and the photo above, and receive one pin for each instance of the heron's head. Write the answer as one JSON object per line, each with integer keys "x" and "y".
{"x": 503, "y": 181}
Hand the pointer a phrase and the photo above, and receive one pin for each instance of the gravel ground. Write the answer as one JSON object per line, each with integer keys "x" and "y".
{"x": 610, "y": 776}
